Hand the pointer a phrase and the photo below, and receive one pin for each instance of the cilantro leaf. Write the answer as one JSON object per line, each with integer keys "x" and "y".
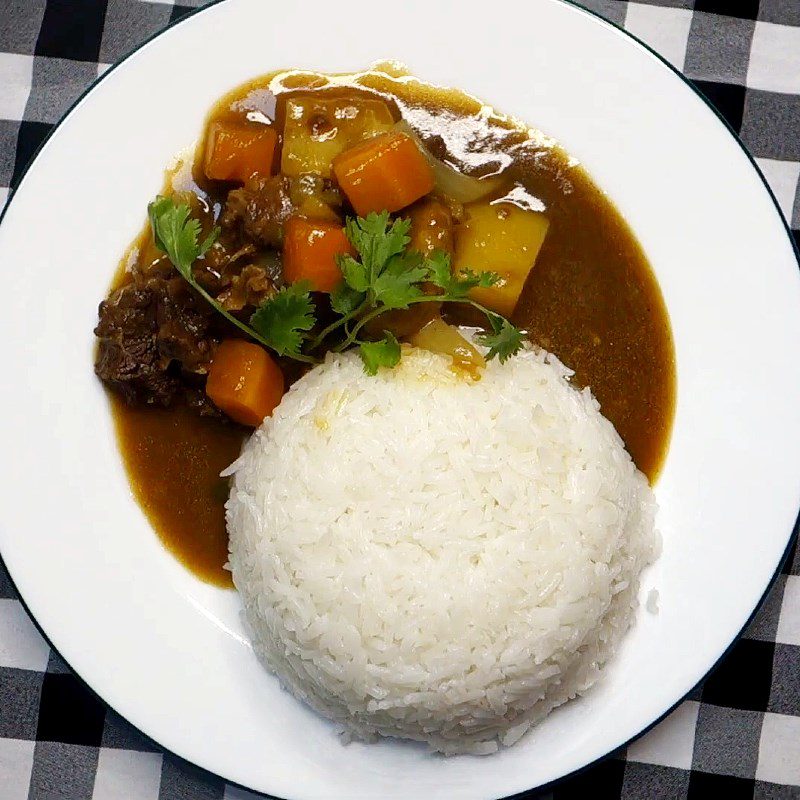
{"x": 398, "y": 283}
{"x": 383, "y": 353}
{"x": 458, "y": 286}
{"x": 354, "y": 273}
{"x": 467, "y": 279}
{"x": 177, "y": 234}
{"x": 377, "y": 241}
{"x": 438, "y": 263}
{"x": 206, "y": 244}
{"x": 504, "y": 341}
{"x": 282, "y": 319}
{"x": 345, "y": 300}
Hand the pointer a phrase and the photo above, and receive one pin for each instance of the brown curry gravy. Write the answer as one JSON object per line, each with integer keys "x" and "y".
{"x": 591, "y": 299}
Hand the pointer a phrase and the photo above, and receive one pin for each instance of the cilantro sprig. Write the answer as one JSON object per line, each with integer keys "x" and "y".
{"x": 385, "y": 276}
{"x": 284, "y": 319}
{"x": 503, "y": 341}
{"x": 279, "y": 323}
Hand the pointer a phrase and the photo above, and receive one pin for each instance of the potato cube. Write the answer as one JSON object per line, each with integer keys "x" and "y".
{"x": 501, "y": 238}
{"x": 316, "y": 129}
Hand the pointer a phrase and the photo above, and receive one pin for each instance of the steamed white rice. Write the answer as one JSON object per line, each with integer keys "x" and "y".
{"x": 427, "y": 557}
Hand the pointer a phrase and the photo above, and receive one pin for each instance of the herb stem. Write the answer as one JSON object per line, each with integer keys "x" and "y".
{"x": 351, "y": 336}
{"x": 321, "y": 336}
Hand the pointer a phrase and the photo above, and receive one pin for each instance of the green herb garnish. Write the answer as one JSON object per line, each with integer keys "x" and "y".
{"x": 503, "y": 341}
{"x": 276, "y": 324}
{"x": 383, "y": 353}
{"x": 283, "y": 320}
{"x": 385, "y": 276}
{"x": 177, "y": 234}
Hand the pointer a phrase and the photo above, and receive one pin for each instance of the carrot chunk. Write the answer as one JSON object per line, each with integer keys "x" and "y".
{"x": 387, "y": 172}
{"x": 310, "y": 248}
{"x": 244, "y": 381}
{"x": 236, "y": 151}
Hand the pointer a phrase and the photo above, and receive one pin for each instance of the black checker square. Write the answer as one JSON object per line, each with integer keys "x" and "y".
{"x": 72, "y": 30}
{"x": 29, "y": 136}
{"x": 707, "y": 785}
{"x": 727, "y": 98}
{"x": 179, "y": 11}
{"x": 744, "y": 9}
{"x": 744, "y": 677}
{"x": 69, "y": 712}
{"x": 603, "y": 780}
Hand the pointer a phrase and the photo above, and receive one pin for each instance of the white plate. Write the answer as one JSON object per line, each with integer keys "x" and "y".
{"x": 167, "y": 651}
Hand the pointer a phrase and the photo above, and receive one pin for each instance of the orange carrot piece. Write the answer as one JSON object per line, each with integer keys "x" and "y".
{"x": 244, "y": 381}
{"x": 387, "y": 172}
{"x": 310, "y": 248}
{"x": 236, "y": 151}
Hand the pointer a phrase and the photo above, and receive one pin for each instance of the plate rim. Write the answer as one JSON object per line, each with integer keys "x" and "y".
{"x": 794, "y": 534}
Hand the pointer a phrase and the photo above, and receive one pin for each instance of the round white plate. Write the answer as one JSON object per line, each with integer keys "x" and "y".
{"x": 167, "y": 651}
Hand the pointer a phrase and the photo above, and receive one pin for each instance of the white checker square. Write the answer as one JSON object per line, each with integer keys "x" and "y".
{"x": 666, "y": 30}
{"x": 16, "y": 766}
{"x": 779, "y": 750}
{"x": 789, "y": 622}
{"x": 101, "y": 68}
{"x": 782, "y": 177}
{"x": 21, "y": 645}
{"x": 775, "y": 58}
{"x": 17, "y": 72}
{"x": 3, "y": 197}
{"x": 671, "y": 742}
{"x": 127, "y": 773}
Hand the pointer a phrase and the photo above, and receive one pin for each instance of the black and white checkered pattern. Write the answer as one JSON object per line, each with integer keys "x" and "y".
{"x": 738, "y": 734}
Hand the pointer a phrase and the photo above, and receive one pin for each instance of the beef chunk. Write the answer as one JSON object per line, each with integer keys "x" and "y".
{"x": 251, "y": 287}
{"x": 259, "y": 209}
{"x": 224, "y": 260}
{"x": 149, "y": 334}
{"x": 184, "y": 319}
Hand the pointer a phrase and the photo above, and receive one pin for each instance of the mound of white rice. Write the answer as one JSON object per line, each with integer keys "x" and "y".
{"x": 427, "y": 557}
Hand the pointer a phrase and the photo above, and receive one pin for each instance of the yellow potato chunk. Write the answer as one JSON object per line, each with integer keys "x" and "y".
{"x": 501, "y": 238}
{"x": 316, "y": 129}
{"x": 312, "y": 207}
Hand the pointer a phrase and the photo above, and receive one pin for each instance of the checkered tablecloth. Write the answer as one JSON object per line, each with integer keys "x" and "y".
{"x": 738, "y": 734}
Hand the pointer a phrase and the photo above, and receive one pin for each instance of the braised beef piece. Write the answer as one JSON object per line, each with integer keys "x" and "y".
{"x": 127, "y": 355}
{"x": 223, "y": 261}
{"x": 152, "y": 336}
{"x": 259, "y": 209}
{"x": 251, "y": 287}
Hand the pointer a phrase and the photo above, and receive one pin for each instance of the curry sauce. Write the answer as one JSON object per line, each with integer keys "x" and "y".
{"x": 591, "y": 299}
